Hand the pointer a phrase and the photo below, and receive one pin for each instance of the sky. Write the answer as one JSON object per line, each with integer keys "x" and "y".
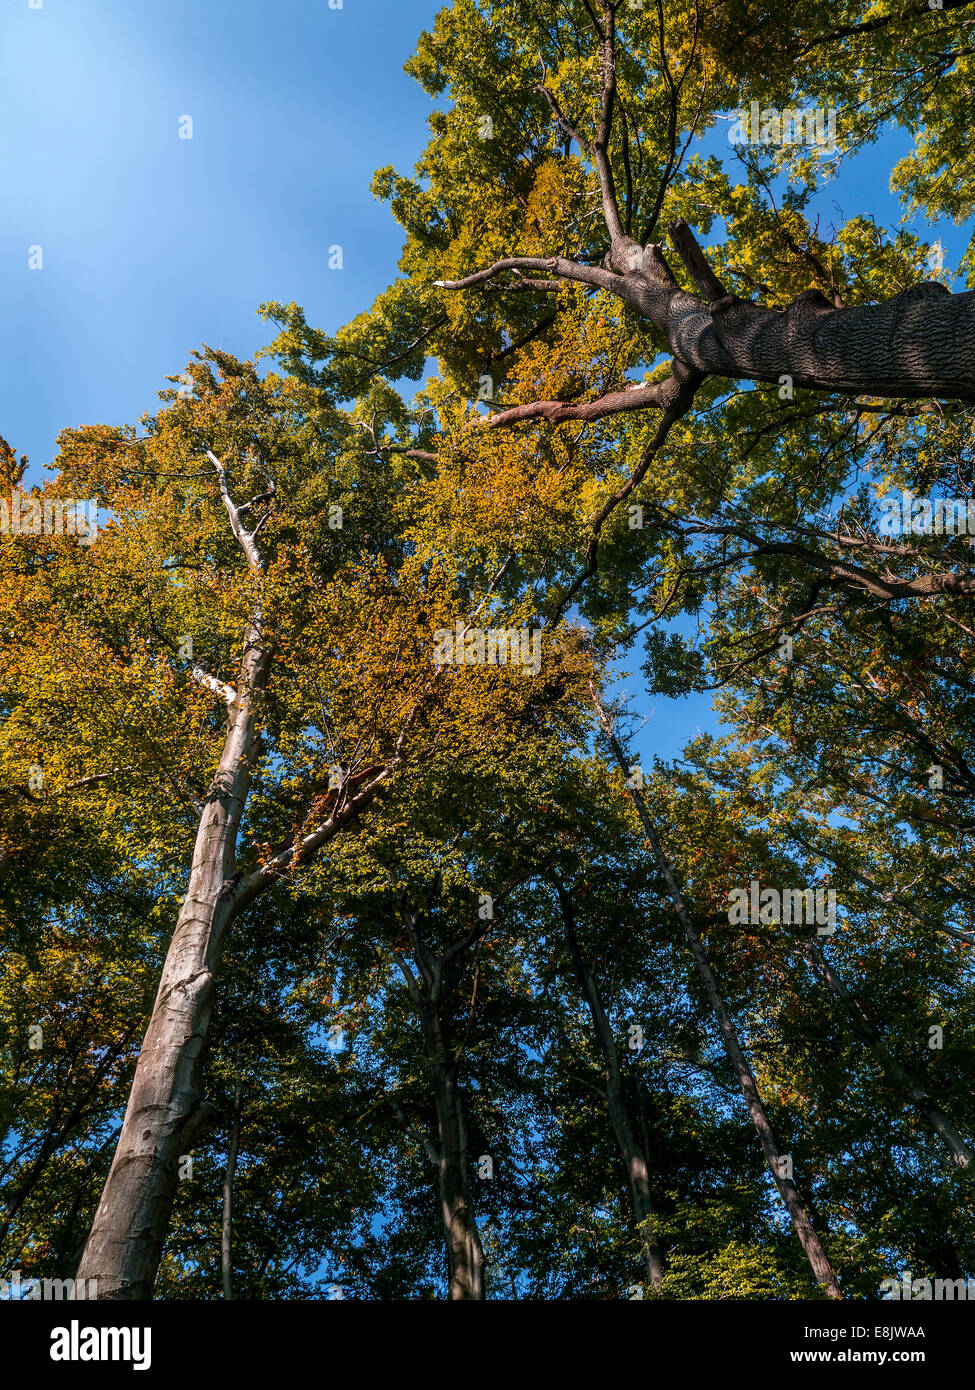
{"x": 153, "y": 244}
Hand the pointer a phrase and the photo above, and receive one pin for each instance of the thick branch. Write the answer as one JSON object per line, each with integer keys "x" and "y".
{"x": 245, "y": 538}
{"x": 557, "y": 265}
{"x": 916, "y": 9}
{"x": 920, "y": 343}
{"x": 697, "y": 264}
{"x": 635, "y": 397}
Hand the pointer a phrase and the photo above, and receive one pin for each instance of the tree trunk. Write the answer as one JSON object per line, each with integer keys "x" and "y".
{"x": 634, "y": 1156}
{"x": 430, "y": 991}
{"x": 165, "y": 1109}
{"x": 465, "y": 1257}
{"x": 808, "y": 1237}
{"x": 227, "y": 1225}
{"x": 868, "y": 1034}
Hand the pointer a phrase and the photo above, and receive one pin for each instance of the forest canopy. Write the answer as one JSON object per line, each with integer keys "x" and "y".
{"x": 349, "y": 946}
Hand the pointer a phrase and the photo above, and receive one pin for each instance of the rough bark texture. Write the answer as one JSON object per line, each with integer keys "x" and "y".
{"x": 919, "y": 343}
{"x": 633, "y": 1154}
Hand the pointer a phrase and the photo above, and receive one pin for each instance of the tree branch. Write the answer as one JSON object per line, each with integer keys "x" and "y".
{"x": 559, "y": 265}
{"x": 918, "y": 9}
{"x": 244, "y": 537}
{"x": 221, "y": 688}
{"x": 634, "y": 397}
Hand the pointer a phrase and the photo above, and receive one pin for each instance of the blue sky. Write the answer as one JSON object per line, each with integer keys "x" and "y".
{"x": 153, "y": 244}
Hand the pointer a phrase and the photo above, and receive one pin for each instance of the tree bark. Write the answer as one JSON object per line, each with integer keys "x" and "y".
{"x": 165, "y": 1110}
{"x": 788, "y": 1191}
{"x": 634, "y": 1156}
{"x": 465, "y": 1257}
{"x": 919, "y": 343}
{"x": 429, "y": 989}
{"x": 227, "y": 1224}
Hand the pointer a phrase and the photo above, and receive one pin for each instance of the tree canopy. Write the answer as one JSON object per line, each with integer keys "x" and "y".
{"x": 350, "y": 948}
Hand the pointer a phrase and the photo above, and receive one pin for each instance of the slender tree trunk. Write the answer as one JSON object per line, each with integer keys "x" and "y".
{"x": 227, "y": 1225}
{"x": 465, "y": 1257}
{"x": 868, "y": 1034}
{"x": 56, "y": 1139}
{"x": 808, "y": 1237}
{"x": 165, "y": 1111}
{"x": 429, "y": 988}
{"x": 634, "y": 1156}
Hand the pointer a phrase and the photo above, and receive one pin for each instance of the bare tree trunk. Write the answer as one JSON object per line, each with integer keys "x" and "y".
{"x": 465, "y": 1257}
{"x": 868, "y": 1034}
{"x": 165, "y": 1110}
{"x": 430, "y": 989}
{"x": 227, "y": 1225}
{"x": 808, "y": 1237}
{"x": 634, "y": 1156}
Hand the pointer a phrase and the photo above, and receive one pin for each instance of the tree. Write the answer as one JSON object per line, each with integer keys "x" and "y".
{"x": 265, "y": 714}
